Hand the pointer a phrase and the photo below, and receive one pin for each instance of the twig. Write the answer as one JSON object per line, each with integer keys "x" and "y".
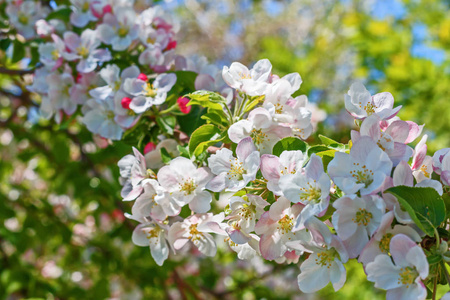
{"x": 7, "y": 71}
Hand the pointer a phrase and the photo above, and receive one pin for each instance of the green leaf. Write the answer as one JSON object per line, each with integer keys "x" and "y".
{"x": 255, "y": 101}
{"x": 186, "y": 79}
{"x": 289, "y": 144}
{"x": 424, "y": 205}
{"x": 167, "y": 123}
{"x": 183, "y": 151}
{"x": 331, "y": 143}
{"x": 166, "y": 158}
{"x": 18, "y": 51}
{"x": 201, "y": 135}
{"x": 61, "y": 14}
{"x": 214, "y": 117}
{"x": 207, "y": 99}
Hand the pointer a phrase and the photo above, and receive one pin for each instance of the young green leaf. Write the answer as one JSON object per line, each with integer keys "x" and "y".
{"x": 289, "y": 143}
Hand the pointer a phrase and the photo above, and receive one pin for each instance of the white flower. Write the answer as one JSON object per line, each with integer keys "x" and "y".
{"x": 403, "y": 277}
{"x": 82, "y": 13}
{"x": 234, "y": 173}
{"x": 147, "y": 94}
{"x": 153, "y": 234}
{"x": 118, "y": 29}
{"x": 355, "y": 219}
{"x": 253, "y": 82}
{"x": 197, "y": 229}
{"x": 364, "y": 169}
{"x": 99, "y": 117}
{"x": 311, "y": 189}
{"x": 264, "y": 132}
{"x": 360, "y": 104}
{"x": 245, "y": 211}
{"x": 84, "y": 49}
{"x": 184, "y": 184}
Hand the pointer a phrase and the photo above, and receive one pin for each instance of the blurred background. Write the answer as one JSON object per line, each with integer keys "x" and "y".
{"x": 62, "y": 230}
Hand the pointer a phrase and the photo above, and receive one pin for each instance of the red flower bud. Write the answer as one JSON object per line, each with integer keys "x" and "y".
{"x": 126, "y": 102}
{"x": 143, "y": 77}
{"x": 149, "y": 147}
{"x": 182, "y": 101}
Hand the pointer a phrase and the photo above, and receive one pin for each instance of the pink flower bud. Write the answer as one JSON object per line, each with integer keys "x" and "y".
{"x": 149, "y": 147}
{"x": 143, "y": 77}
{"x": 172, "y": 45}
{"x": 126, "y": 102}
{"x": 182, "y": 101}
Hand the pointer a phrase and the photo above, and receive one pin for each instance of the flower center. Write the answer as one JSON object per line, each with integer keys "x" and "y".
{"x": 153, "y": 232}
{"x": 407, "y": 276}
{"x": 369, "y": 108}
{"x": 325, "y": 258}
{"x": 285, "y": 224}
{"x": 83, "y": 51}
{"x": 23, "y": 18}
{"x": 244, "y": 76}
{"x": 236, "y": 170}
{"x": 278, "y": 108}
{"x": 85, "y": 6}
{"x": 362, "y": 174}
{"x": 122, "y": 32}
{"x": 188, "y": 186}
{"x": 247, "y": 211}
{"x": 194, "y": 233}
{"x": 424, "y": 169}
{"x": 310, "y": 194}
{"x": 55, "y": 54}
{"x": 149, "y": 90}
{"x": 363, "y": 217}
{"x": 384, "y": 243}
{"x": 258, "y": 136}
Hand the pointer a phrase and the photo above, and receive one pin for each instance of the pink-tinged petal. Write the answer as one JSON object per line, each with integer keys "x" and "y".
{"x": 313, "y": 277}
{"x": 370, "y": 251}
{"x": 445, "y": 177}
{"x": 338, "y": 275}
{"x": 218, "y": 183}
{"x": 354, "y": 135}
{"x": 399, "y": 131}
{"x": 260, "y": 117}
{"x": 261, "y": 70}
{"x": 72, "y": 40}
{"x": 371, "y": 127}
{"x": 240, "y": 130}
{"x": 264, "y": 223}
{"x": 271, "y": 246}
{"x": 201, "y": 202}
{"x": 238, "y": 236}
{"x": 433, "y": 183}
{"x": 168, "y": 178}
{"x": 387, "y": 114}
{"x": 399, "y": 246}
{"x": 233, "y": 75}
{"x": 414, "y": 131}
{"x": 139, "y": 236}
{"x": 176, "y": 236}
{"x": 159, "y": 250}
{"x": 355, "y": 244}
{"x": 420, "y": 153}
{"x": 206, "y": 245}
{"x": 319, "y": 231}
{"x": 295, "y": 80}
{"x": 244, "y": 148}
{"x": 403, "y": 175}
{"x": 383, "y": 100}
{"x": 416, "y": 257}
{"x": 399, "y": 152}
{"x": 415, "y": 291}
{"x": 204, "y": 82}
{"x": 363, "y": 148}
{"x": 383, "y": 272}
{"x": 357, "y": 97}
{"x": 270, "y": 167}
{"x": 314, "y": 169}
{"x": 133, "y": 194}
{"x": 277, "y": 210}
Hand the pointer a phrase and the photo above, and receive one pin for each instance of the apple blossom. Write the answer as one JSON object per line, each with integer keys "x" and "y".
{"x": 360, "y": 104}
{"x": 118, "y": 29}
{"x": 233, "y": 173}
{"x": 402, "y": 277}
{"x": 153, "y": 235}
{"x": 253, "y": 82}
{"x": 363, "y": 170}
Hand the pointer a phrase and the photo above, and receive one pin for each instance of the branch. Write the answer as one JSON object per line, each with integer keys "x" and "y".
{"x": 18, "y": 72}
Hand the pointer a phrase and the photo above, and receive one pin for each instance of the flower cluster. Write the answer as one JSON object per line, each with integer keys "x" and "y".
{"x": 246, "y": 171}
{"x": 289, "y": 201}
